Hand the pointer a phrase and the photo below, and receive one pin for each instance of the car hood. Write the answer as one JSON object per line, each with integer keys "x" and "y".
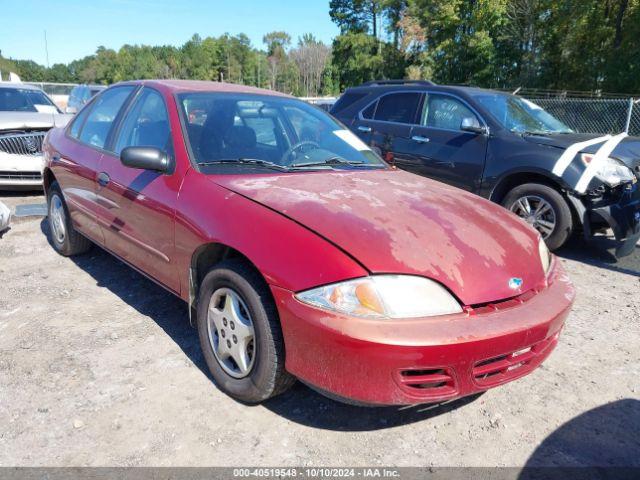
{"x": 391, "y": 221}
{"x": 29, "y": 120}
{"x": 628, "y": 150}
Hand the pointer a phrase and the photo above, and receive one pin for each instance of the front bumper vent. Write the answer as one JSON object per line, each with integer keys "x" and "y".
{"x": 436, "y": 382}
{"x": 503, "y": 368}
{"x": 31, "y": 176}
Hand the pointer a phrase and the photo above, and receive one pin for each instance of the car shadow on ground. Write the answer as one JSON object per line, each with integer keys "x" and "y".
{"x": 300, "y": 404}
{"x": 600, "y": 253}
{"x": 606, "y": 436}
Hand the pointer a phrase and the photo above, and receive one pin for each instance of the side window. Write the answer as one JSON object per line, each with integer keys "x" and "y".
{"x": 102, "y": 114}
{"x": 78, "y": 121}
{"x": 443, "y": 111}
{"x": 368, "y": 112}
{"x": 146, "y": 124}
{"x": 398, "y": 107}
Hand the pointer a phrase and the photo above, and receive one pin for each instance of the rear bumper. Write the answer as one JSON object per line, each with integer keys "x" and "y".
{"x": 401, "y": 362}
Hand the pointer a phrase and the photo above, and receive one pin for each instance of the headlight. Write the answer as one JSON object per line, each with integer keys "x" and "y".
{"x": 384, "y": 296}
{"x": 545, "y": 255}
{"x": 612, "y": 172}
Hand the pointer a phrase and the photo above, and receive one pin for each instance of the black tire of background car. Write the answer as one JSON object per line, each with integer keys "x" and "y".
{"x": 268, "y": 377}
{"x": 74, "y": 243}
{"x": 564, "y": 222}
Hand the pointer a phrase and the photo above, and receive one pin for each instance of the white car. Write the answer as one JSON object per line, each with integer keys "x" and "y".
{"x": 26, "y": 114}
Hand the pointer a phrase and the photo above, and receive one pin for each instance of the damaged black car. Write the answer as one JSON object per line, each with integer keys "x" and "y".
{"x": 505, "y": 148}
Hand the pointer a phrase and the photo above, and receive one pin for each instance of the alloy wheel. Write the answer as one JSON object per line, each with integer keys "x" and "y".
{"x": 57, "y": 218}
{"x": 537, "y": 212}
{"x": 231, "y": 333}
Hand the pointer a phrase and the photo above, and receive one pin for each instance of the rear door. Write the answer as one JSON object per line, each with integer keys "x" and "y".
{"x": 386, "y": 124}
{"x": 76, "y": 165}
{"x": 440, "y": 149}
{"x": 139, "y": 205}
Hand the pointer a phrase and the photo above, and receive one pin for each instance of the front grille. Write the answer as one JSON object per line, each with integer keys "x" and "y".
{"x": 20, "y": 176}
{"x": 435, "y": 382}
{"x": 506, "y": 367}
{"x": 22, "y": 143}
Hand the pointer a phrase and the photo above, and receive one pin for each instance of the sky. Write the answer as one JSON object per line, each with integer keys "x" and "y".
{"x": 75, "y": 28}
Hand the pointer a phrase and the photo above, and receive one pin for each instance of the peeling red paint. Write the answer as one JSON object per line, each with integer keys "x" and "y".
{"x": 407, "y": 224}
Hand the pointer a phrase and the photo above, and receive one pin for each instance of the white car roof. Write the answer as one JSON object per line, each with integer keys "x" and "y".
{"x": 23, "y": 86}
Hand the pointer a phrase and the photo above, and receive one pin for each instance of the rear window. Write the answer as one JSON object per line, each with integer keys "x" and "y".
{"x": 347, "y": 100}
{"x": 398, "y": 107}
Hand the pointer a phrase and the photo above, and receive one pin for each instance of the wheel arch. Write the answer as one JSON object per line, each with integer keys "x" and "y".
{"x": 512, "y": 180}
{"x": 47, "y": 179}
{"x": 203, "y": 259}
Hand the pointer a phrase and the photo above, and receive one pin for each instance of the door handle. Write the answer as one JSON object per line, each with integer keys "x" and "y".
{"x": 364, "y": 129}
{"x": 103, "y": 179}
{"x": 420, "y": 139}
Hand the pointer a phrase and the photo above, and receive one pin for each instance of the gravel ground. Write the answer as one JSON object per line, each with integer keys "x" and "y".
{"x": 98, "y": 366}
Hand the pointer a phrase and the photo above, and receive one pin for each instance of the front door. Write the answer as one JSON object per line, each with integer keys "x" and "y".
{"x": 441, "y": 149}
{"x": 139, "y": 205}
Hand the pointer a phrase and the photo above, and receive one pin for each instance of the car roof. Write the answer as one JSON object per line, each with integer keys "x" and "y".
{"x": 184, "y": 86}
{"x": 23, "y": 86}
{"x": 404, "y": 87}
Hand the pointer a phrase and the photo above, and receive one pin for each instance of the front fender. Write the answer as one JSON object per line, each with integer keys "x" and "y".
{"x": 288, "y": 254}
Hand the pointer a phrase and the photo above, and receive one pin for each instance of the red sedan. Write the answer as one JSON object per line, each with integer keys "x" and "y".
{"x": 300, "y": 252}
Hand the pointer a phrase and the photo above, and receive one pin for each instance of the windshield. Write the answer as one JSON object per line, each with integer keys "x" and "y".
{"x": 263, "y": 130}
{"x": 520, "y": 115}
{"x": 25, "y": 100}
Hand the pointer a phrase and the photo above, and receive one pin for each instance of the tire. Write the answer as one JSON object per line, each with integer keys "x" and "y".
{"x": 563, "y": 224}
{"x": 64, "y": 238}
{"x": 266, "y": 376}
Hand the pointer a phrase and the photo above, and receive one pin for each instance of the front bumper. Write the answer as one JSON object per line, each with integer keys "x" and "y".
{"x": 20, "y": 171}
{"x": 622, "y": 216}
{"x": 402, "y": 362}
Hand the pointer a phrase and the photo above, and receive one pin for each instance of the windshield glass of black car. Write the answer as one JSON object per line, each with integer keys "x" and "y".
{"x": 521, "y": 115}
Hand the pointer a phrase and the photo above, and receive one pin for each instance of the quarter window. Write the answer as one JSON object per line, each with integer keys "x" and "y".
{"x": 146, "y": 124}
{"x": 96, "y": 129}
{"x": 368, "y": 112}
{"x": 79, "y": 119}
{"x": 398, "y": 107}
{"x": 443, "y": 111}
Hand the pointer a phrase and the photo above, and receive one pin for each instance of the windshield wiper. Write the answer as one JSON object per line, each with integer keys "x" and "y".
{"x": 534, "y": 132}
{"x": 328, "y": 162}
{"x": 246, "y": 161}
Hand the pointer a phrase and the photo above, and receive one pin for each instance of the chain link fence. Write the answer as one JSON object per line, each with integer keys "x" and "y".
{"x": 594, "y": 115}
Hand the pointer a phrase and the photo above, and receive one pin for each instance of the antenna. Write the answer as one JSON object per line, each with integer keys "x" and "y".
{"x": 46, "y": 48}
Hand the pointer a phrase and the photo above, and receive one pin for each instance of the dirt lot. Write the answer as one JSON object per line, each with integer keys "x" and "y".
{"x": 98, "y": 366}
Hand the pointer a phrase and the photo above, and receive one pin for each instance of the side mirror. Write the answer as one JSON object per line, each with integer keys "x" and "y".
{"x": 146, "y": 158}
{"x": 471, "y": 124}
{"x": 71, "y": 110}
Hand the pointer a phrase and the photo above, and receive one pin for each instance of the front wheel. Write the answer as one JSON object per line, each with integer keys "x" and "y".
{"x": 240, "y": 333}
{"x": 545, "y": 209}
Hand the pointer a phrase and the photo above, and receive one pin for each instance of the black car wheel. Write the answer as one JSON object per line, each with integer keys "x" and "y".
{"x": 240, "y": 333}
{"x": 543, "y": 208}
